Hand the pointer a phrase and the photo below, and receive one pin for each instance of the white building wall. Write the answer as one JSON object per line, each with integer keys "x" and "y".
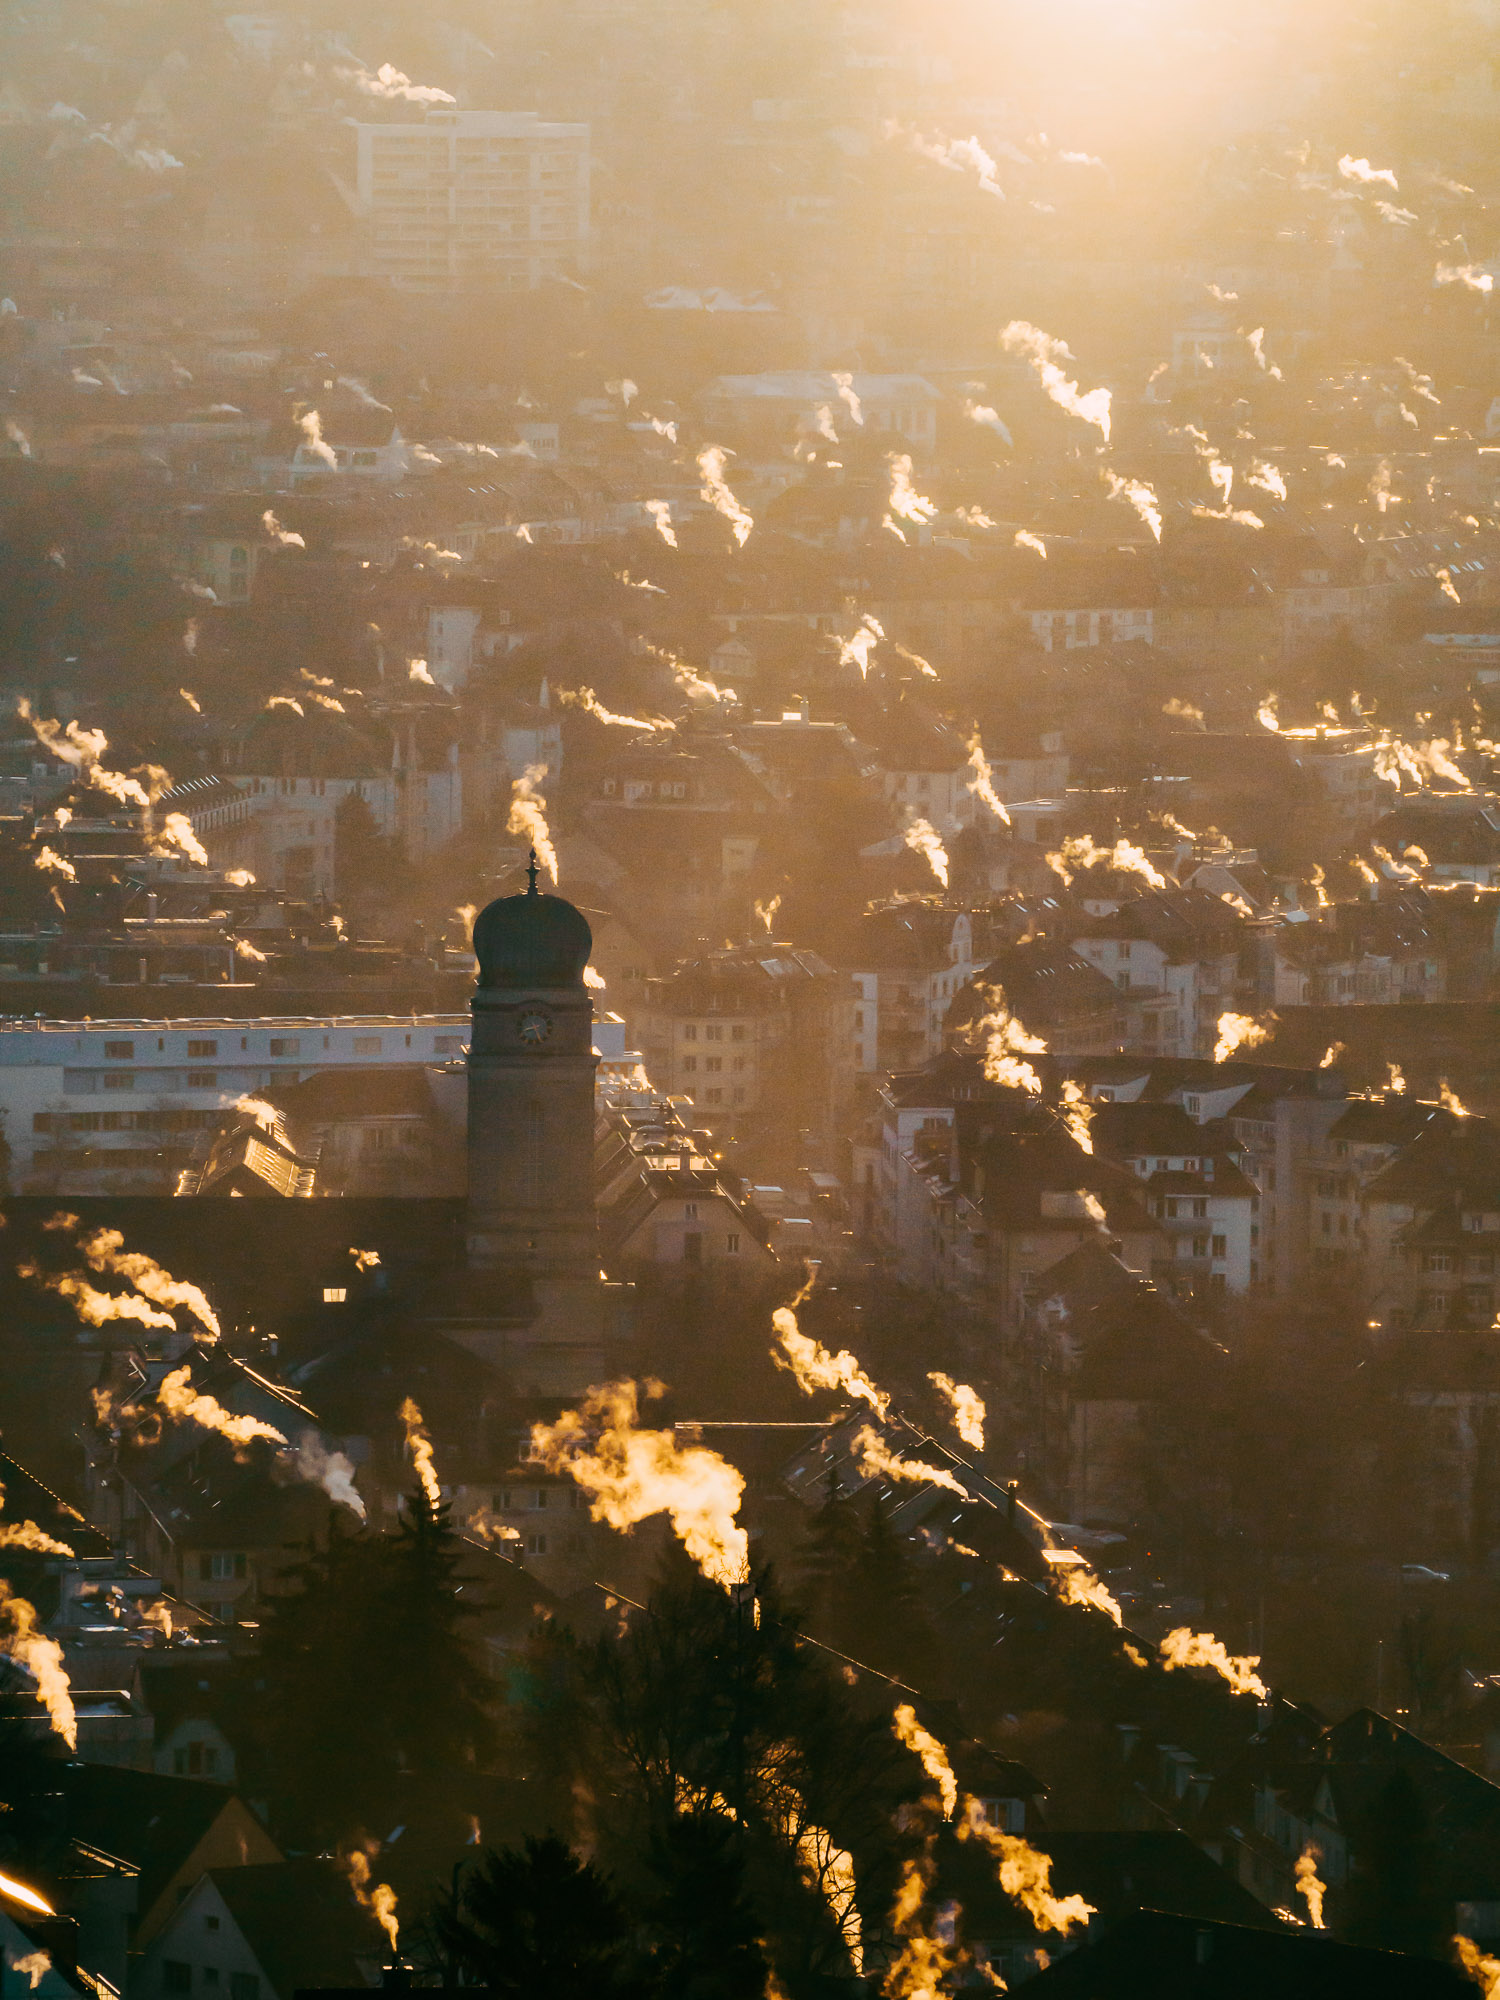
{"x": 122, "y": 1086}
{"x": 463, "y": 196}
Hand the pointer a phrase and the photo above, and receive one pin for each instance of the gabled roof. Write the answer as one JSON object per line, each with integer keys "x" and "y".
{"x": 302, "y": 1923}
{"x": 154, "y": 1823}
{"x": 1176, "y": 1957}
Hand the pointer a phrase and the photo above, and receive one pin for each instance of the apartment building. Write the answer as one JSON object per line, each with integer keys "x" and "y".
{"x": 474, "y": 197}
{"x": 114, "y": 1107}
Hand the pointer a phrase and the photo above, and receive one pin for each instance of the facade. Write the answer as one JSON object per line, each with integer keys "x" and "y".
{"x": 753, "y": 1037}
{"x": 99, "y": 1107}
{"x": 474, "y": 197}
{"x": 907, "y": 961}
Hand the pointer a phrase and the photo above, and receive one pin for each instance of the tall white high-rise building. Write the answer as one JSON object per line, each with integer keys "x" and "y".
{"x": 463, "y": 197}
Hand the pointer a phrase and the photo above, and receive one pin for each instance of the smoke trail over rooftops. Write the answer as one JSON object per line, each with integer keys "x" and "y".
{"x": 632, "y": 1474}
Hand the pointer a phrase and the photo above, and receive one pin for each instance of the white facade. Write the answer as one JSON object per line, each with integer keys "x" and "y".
{"x": 1068, "y": 630}
{"x": 108, "y": 1106}
{"x": 474, "y": 196}
{"x": 282, "y": 829}
{"x": 908, "y": 1001}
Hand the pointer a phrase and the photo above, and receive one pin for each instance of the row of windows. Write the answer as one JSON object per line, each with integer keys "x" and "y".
{"x": 713, "y": 1032}
{"x": 177, "y": 1977}
{"x": 713, "y": 1064}
{"x": 123, "y": 1121}
{"x": 715, "y": 1096}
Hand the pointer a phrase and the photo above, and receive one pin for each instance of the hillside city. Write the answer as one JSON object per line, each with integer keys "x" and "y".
{"x": 754, "y": 755}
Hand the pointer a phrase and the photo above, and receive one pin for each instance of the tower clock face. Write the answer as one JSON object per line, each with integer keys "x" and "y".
{"x": 534, "y": 1027}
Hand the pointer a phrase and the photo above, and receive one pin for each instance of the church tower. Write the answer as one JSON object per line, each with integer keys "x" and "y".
{"x": 531, "y": 1091}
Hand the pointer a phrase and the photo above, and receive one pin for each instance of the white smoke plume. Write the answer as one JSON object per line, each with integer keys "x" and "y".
{"x": 711, "y": 462}
{"x": 84, "y": 750}
{"x": 967, "y": 1406}
{"x": 981, "y": 413}
{"x": 379, "y": 1899}
{"x": 957, "y": 156}
{"x": 1081, "y": 851}
{"x": 1257, "y": 339}
{"x": 1025, "y": 1874}
{"x": 1473, "y": 277}
{"x": 528, "y": 816}
{"x": 855, "y": 651}
{"x": 1312, "y": 1890}
{"x": 1024, "y": 539}
{"x": 417, "y": 670}
{"x": 35, "y": 1654}
{"x": 103, "y": 1250}
{"x": 1046, "y": 356}
{"x": 632, "y": 1474}
{"x": 1140, "y": 497}
{"x": 1077, "y": 1584}
{"x": 903, "y": 500}
{"x": 1267, "y": 478}
{"x": 186, "y": 1404}
{"x": 982, "y": 784}
{"x": 1077, "y": 1114}
{"x": 311, "y": 425}
{"x": 314, "y": 1462}
{"x": 1186, "y": 1648}
{"x": 419, "y": 1446}
{"x": 589, "y": 702}
{"x": 661, "y": 513}
{"x": 389, "y": 83}
{"x": 176, "y": 835}
{"x": 1005, "y": 1042}
{"x": 876, "y": 1460}
{"x": 1362, "y": 171}
{"x": 285, "y": 536}
{"x": 930, "y": 1753}
{"x": 813, "y": 1365}
{"x": 923, "y": 837}
{"x": 50, "y": 862}
{"x": 1241, "y": 1031}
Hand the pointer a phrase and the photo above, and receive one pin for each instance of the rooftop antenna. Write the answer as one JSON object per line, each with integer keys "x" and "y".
{"x": 532, "y": 870}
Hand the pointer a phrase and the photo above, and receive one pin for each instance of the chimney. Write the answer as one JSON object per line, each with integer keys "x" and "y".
{"x": 397, "y": 1976}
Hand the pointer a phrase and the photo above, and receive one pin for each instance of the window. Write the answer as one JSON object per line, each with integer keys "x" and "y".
{"x": 1437, "y": 1260}
{"x": 713, "y": 1064}
{"x": 732, "y": 1244}
{"x": 176, "y": 1976}
{"x": 713, "y": 1033}
{"x": 119, "y": 1079}
{"x": 715, "y": 1096}
{"x": 209, "y": 1923}
{"x": 738, "y": 1065}
{"x": 335, "y": 1295}
{"x": 199, "y": 1049}
{"x": 1200, "y": 1246}
{"x": 286, "y": 1045}
{"x": 217, "y": 1567}
{"x": 690, "y": 1211}
{"x": 737, "y": 1034}
{"x": 690, "y": 1063}
{"x": 119, "y": 1051}
{"x": 203, "y": 1079}
{"x": 447, "y": 1045}
{"x": 367, "y": 1045}
{"x": 1200, "y": 1208}
{"x": 690, "y": 1032}
{"x": 536, "y": 1545}
{"x": 1221, "y": 1246}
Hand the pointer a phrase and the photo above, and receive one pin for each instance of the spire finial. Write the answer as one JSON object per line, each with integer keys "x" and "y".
{"x": 533, "y": 868}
